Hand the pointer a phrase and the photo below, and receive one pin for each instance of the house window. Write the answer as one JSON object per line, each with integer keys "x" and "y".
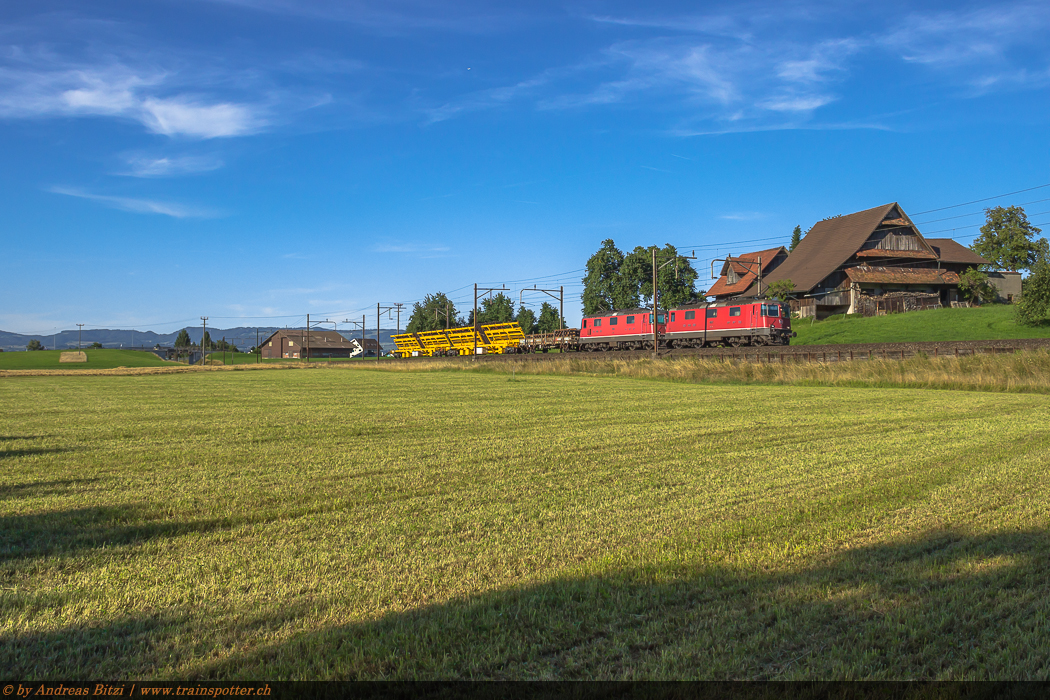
{"x": 690, "y": 315}
{"x": 734, "y": 311}
{"x": 732, "y": 276}
{"x": 291, "y": 344}
{"x": 612, "y": 321}
{"x": 712, "y": 313}
{"x": 271, "y": 343}
{"x": 630, "y": 319}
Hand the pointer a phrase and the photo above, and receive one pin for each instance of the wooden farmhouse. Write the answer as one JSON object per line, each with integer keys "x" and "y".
{"x": 299, "y": 344}
{"x": 872, "y": 262}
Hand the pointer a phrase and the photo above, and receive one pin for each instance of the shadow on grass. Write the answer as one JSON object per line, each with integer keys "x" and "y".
{"x": 41, "y": 488}
{"x": 29, "y": 451}
{"x": 947, "y": 606}
{"x": 70, "y": 532}
{"x": 82, "y": 651}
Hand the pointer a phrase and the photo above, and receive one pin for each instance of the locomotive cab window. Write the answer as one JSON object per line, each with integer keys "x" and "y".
{"x": 661, "y": 318}
{"x": 612, "y": 321}
{"x": 690, "y": 315}
{"x": 712, "y": 313}
{"x": 630, "y": 319}
{"x": 584, "y": 323}
{"x": 734, "y": 311}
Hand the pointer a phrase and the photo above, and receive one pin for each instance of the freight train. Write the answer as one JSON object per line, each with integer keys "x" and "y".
{"x": 735, "y": 323}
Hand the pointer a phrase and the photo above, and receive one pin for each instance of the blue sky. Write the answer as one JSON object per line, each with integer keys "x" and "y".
{"x": 257, "y": 160}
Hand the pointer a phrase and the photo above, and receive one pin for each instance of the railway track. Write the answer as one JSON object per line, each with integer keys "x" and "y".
{"x": 783, "y": 353}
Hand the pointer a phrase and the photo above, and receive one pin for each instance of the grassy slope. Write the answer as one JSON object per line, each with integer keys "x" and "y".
{"x": 984, "y": 323}
{"x": 262, "y": 525}
{"x": 97, "y": 359}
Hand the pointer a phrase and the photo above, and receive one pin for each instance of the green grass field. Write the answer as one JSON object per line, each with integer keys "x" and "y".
{"x": 351, "y": 523}
{"x": 97, "y": 359}
{"x": 992, "y": 322}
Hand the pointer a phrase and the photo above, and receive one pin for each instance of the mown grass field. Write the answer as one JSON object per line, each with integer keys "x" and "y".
{"x": 991, "y": 322}
{"x": 353, "y": 523}
{"x": 97, "y": 359}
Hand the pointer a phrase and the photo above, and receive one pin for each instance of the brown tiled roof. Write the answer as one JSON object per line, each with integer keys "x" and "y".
{"x": 316, "y": 339}
{"x": 827, "y": 245}
{"x": 901, "y": 275}
{"x": 882, "y": 253}
{"x": 746, "y": 272}
{"x": 953, "y": 252}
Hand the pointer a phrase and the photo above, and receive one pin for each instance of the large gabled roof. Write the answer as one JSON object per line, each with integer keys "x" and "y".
{"x": 828, "y": 244}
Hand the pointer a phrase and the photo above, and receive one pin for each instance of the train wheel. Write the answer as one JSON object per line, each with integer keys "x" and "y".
{"x": 735, "y": 342}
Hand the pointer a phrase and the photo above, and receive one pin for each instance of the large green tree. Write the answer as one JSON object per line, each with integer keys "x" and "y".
{"x": 796, "y": 238}
{"x": 1034, "y": 307}
{"x": 527, "y": 320}
{"x": 603, "y": 288}
{"x": 34, "y": 344}
{"x": 1009, "y": 241}
{"x": 183, "y": 340}
{"x": 676, "y": 279}
{"x": 550, "y": 320}
{"x": 429, "y": 315}
{"x": 207, "y": 343}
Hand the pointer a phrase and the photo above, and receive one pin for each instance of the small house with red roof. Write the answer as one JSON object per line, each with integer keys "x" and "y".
{"x": 741, "y": 272}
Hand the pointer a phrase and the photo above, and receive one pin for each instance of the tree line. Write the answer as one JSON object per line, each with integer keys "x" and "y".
{"x": 437, "y": 312}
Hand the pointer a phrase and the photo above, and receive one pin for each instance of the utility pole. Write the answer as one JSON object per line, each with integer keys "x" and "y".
{"x": 550, "y": 293}
{"x": 258, "y": 350}
{"x": 484, "y": 290}
{"x": 380, "y": 309}
{"x": 204, "y": 355}
{"x": 656, "y": 293}
{"x": 80, "y": 332}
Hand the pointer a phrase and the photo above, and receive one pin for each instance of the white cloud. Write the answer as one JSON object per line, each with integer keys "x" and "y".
{"x": 118, "y": 91}
{"x": 145, "y": 166}
{"x": 139, "y": 206}
{"x": 410, "y": 248}
{"x": 181, "y": 116}
{"x": 743, "y": 216}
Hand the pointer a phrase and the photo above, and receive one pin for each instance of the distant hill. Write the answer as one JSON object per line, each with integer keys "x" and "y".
{"x": 243, "y": 337}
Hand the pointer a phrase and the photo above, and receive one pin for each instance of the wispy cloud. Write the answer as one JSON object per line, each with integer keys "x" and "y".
{"x": 116, "y": 90}
{"x": 409, "y": 248}
{"x": 743, "y": 216}
{"x": 139, "y": 206}
{"x": 398, "y": 16}
{"x": 147, "y": 166}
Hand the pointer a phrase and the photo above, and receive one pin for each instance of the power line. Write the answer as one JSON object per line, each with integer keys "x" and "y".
{"x": 975, "y": 213}
{"x": 1029, "y": 189}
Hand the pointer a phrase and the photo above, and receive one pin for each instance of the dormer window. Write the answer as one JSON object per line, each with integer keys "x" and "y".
{"x": 732, "y": 276}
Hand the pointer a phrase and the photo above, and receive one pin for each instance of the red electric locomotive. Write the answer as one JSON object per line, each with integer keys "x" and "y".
{"x": 735, "y": 323}
{"x": 631, "y": 329}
